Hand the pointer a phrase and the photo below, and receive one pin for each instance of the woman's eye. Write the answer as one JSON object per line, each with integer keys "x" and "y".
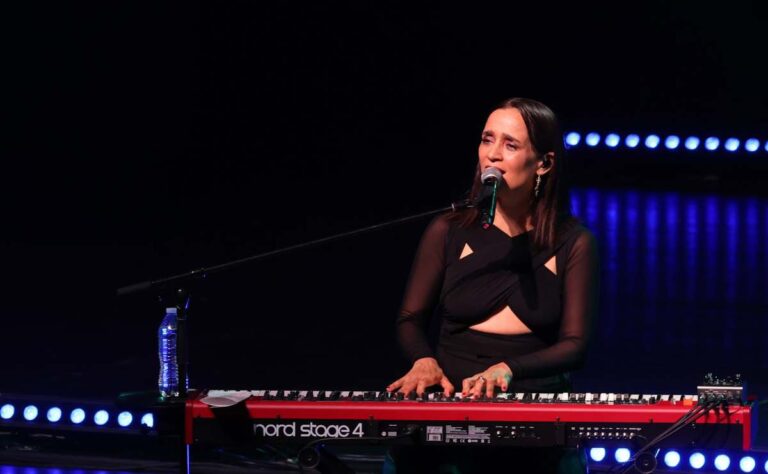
{"x": 485, "y": 140}
{"x": 511, "y": 146}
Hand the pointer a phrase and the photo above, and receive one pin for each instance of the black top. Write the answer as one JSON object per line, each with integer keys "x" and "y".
{"x": 503, "y": 271}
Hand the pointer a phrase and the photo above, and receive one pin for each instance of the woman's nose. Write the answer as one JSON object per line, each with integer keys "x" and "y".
{"x": 494, "y": 152}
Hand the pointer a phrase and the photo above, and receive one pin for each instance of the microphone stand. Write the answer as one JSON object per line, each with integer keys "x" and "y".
{"x": 179, "y": 284}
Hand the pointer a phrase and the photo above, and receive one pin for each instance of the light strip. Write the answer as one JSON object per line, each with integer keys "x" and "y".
{"x": 651, "y": 141}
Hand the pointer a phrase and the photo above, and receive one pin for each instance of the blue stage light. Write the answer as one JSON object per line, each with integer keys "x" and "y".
{"x": 612, "y": 140}
{"x": 622, "y": 455}
{"x": 672, "y": 459}
{"x": 632, "y": 140}
{"x": 597, "y": 454}
{"x": 722, "y": 462}
{"x": 692, "y": 143}
{"x": 711, "y": 143}
{"x": 148, "y": 420}
{"x": 672, "y": 142}
{"x": 30, "y": 412}
{"x": 732, "y": 144}
{"x": 652, "y": 141}
{"x": 697, "y": 460}
{"x": 124, "y": 419}
{"x": 766, "y": 149}
{"x": 752, "y": 144}
{"x": 572, "y": 139}
{"x": 101, "y": 417}
{"x": 747, "y": 464}
{"x": 77, "y": 416}
{"x": 7, "y": 411}
{"x": 54, "y": 414}
{"x": 592, "y": 139}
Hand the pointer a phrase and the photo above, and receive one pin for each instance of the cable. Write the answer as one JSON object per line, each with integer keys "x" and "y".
{"x": 410, "y": 431}
{"x": 692, "y": 415}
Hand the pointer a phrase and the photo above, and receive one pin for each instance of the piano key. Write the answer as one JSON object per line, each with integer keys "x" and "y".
{"x": 220, "y": 393}
{"x": 648, "y": 397}
{"x": 526, "y": 398}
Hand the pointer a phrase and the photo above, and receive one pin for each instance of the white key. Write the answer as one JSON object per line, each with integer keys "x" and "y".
{"x": 220, "y": 393}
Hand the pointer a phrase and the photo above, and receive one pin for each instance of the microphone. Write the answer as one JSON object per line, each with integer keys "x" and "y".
{"x": 461, "y": 205}
{"x": 490, "y": 178}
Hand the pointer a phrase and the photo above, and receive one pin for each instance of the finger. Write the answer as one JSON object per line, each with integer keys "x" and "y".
{"x": 447, "y": 386}
{"x": 466, "y": 385}
{"x": 420, "y": 387}
{"x": 407, "y": 387}
{"x": 490, "y": 386}
{"x": 395, "y": 385}
{"x": 477, "y": 388}
{"x": 501, "y": 381}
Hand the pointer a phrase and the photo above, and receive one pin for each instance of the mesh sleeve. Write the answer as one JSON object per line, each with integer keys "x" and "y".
{"x": 580, "y": 299}
{"x": 422, "y": 291}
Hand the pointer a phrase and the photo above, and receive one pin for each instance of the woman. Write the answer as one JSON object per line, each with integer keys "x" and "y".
{"x": 516, "y": 299}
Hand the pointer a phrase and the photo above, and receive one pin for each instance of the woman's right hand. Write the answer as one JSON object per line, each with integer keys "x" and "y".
{"x": 424, "y": 373}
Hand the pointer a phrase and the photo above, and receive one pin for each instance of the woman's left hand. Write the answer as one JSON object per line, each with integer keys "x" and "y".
{"x": 498, "y": 375}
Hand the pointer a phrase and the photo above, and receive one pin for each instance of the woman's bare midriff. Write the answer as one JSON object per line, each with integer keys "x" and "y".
{"x": 503, "y": 322}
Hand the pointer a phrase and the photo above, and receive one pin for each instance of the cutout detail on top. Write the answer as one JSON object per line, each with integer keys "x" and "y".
{"x": 467, "y": 251}
{"x": 552, "y": 264}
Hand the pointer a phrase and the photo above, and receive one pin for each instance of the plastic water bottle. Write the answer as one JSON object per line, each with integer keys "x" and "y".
{"x": 168, "y": 381}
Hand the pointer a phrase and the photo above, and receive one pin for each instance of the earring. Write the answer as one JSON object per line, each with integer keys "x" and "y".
{"x": 538, "y": 185}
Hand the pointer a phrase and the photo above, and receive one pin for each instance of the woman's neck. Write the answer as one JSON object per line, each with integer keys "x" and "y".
{"x": 513, "y": 217}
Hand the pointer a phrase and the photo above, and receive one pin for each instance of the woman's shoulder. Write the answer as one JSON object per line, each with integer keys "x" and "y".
{"x": 450, "y": 221}
{"x": 576, "y": 236}
{"x": 439, "y": 227}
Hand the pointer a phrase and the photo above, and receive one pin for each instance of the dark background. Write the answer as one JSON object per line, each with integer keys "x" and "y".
{"x": 146, "y": 139}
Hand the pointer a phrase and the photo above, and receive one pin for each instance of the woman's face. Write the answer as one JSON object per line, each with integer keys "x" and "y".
{"x": 505, "y": 145}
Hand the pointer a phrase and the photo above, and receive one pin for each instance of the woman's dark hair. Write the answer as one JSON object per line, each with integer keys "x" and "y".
{"x": 551, "y": 209}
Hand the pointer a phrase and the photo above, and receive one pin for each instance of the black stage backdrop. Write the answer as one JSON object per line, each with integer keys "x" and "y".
{"x": 147, "y": 139}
